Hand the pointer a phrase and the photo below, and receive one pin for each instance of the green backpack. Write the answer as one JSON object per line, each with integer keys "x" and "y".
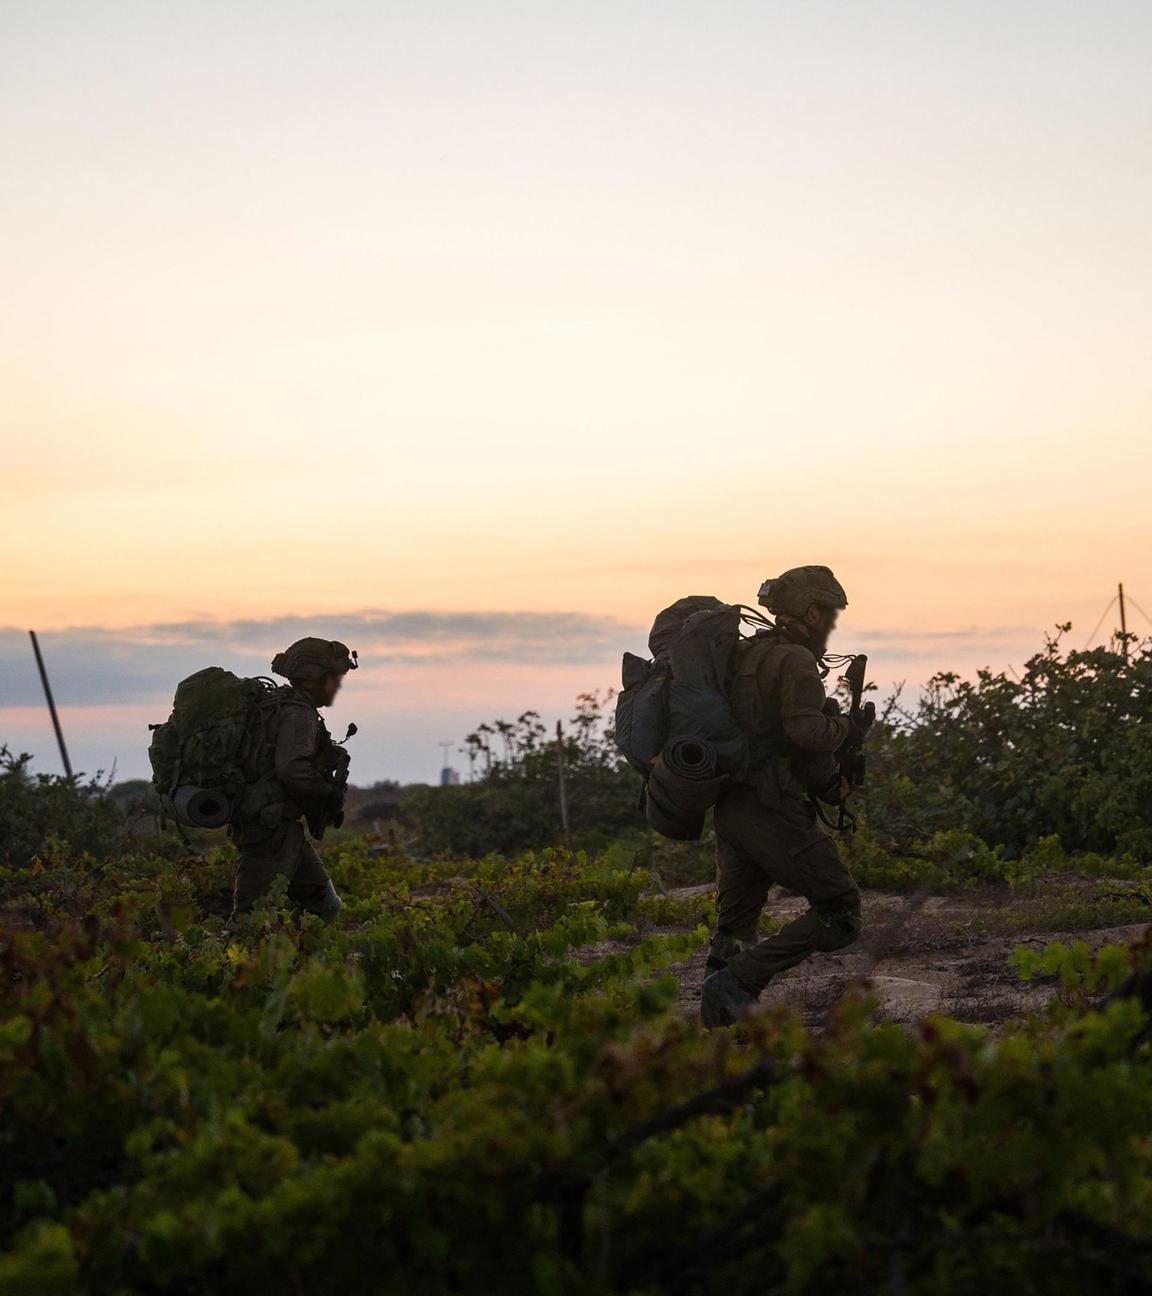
{"x": 674, "y": 722}
{"x": 219, "y": 739}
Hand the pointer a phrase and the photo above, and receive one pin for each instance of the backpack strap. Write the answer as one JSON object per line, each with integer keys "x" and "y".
{"x": 747, "y": 699}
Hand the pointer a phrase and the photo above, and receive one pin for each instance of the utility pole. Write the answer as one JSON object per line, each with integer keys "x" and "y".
{"x": 563, "y": 788}
{"x": 1123, "y": 625}
{"x": 51, "y": 704}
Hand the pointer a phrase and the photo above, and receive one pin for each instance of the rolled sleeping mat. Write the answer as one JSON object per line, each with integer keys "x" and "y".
{"x": 677, "y": 804}
{"x": 200, "y": 807}
{"x": 693, "y": 759}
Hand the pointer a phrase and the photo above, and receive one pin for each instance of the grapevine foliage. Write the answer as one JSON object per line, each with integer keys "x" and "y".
{"x": 479, "y": 1083}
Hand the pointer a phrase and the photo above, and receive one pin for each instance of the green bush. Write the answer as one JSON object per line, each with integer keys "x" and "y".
{"x": 949, "y": 859}
{"x": 45, "y": 813}
{"x": 1064, "y": 751}
{"x": 478, "y": 1082}
{"x": 512, "y": 803}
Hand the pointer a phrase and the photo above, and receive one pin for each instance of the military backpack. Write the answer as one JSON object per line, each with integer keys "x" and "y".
{"x": 674, "y": 721}
{"x": 219, "y": 739}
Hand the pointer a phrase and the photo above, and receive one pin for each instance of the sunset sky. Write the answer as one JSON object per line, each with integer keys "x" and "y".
{"x": 473, "y": 333}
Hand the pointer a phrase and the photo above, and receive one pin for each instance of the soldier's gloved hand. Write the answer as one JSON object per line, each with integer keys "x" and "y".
{"x": 836, "y": 791}
{"x": 831, "y": 707}
{"x": 860, "y": 724}
{"x": 831, "y": 788}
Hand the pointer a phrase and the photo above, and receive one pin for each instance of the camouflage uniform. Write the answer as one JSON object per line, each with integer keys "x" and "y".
{"x": 305, "y": 785}
{"x": 767, "y": 829}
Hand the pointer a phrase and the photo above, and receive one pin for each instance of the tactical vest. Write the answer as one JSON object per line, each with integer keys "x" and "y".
{"x": 757, "y": 712}
{"x": 267, "y": 802}
{"x": 754, "y": 695}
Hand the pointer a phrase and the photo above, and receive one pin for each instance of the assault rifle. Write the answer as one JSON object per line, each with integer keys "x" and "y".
{"x": 851, "y": 754}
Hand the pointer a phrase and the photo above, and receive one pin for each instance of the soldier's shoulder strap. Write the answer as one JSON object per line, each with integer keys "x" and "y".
{"x": 746, "y": 687}
{"x": 299, "y": 714}
{"x": 752, "y": 652}
{"x": 292, "y": 697}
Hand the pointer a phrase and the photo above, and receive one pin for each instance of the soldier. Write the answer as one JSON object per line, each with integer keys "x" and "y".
{"x": 767, "y": 827}
{"x": 306, "y": 784}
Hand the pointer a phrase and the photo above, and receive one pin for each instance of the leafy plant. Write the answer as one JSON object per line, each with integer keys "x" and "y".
{"x": 43, "y": 814}
{"x": 512, "y": 802}
{"x": 1063, "y": 753}
{"x": 478, "y": 1082}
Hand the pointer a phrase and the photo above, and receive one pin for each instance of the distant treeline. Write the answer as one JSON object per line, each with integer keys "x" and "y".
{"x": 1062, "y": 750}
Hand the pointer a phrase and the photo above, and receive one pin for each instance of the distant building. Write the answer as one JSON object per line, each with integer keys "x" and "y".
{"x": 449, "y": 777}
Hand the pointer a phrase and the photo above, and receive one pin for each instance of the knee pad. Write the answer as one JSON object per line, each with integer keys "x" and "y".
{"x": 839, "y": 924}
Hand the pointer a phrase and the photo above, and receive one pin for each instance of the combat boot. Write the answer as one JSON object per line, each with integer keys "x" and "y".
{"x": 724, "y": 999}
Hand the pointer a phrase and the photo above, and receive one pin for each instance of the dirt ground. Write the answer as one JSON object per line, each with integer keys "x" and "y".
{"x": 950, "y": 954}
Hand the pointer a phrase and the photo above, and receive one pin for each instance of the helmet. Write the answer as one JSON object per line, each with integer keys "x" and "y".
{"x": 312, "y": 659}
{"x": 799, "y": 587}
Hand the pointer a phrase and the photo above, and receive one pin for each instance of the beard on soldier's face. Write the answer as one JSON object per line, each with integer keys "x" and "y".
{"x": 818, "y": 631}
{"x": 314, "y": 690}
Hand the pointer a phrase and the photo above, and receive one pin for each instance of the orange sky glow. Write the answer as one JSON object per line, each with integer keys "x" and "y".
{"x": 505, "y": 311}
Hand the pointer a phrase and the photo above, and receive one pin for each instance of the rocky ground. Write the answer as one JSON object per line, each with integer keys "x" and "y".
{"x": 949, "y": 954}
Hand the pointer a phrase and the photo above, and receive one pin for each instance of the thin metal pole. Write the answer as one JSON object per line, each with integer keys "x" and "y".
{"x": 1123, "y": 625}
{"x": 563, "y": 788}
{"x": 51, "y": 704}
